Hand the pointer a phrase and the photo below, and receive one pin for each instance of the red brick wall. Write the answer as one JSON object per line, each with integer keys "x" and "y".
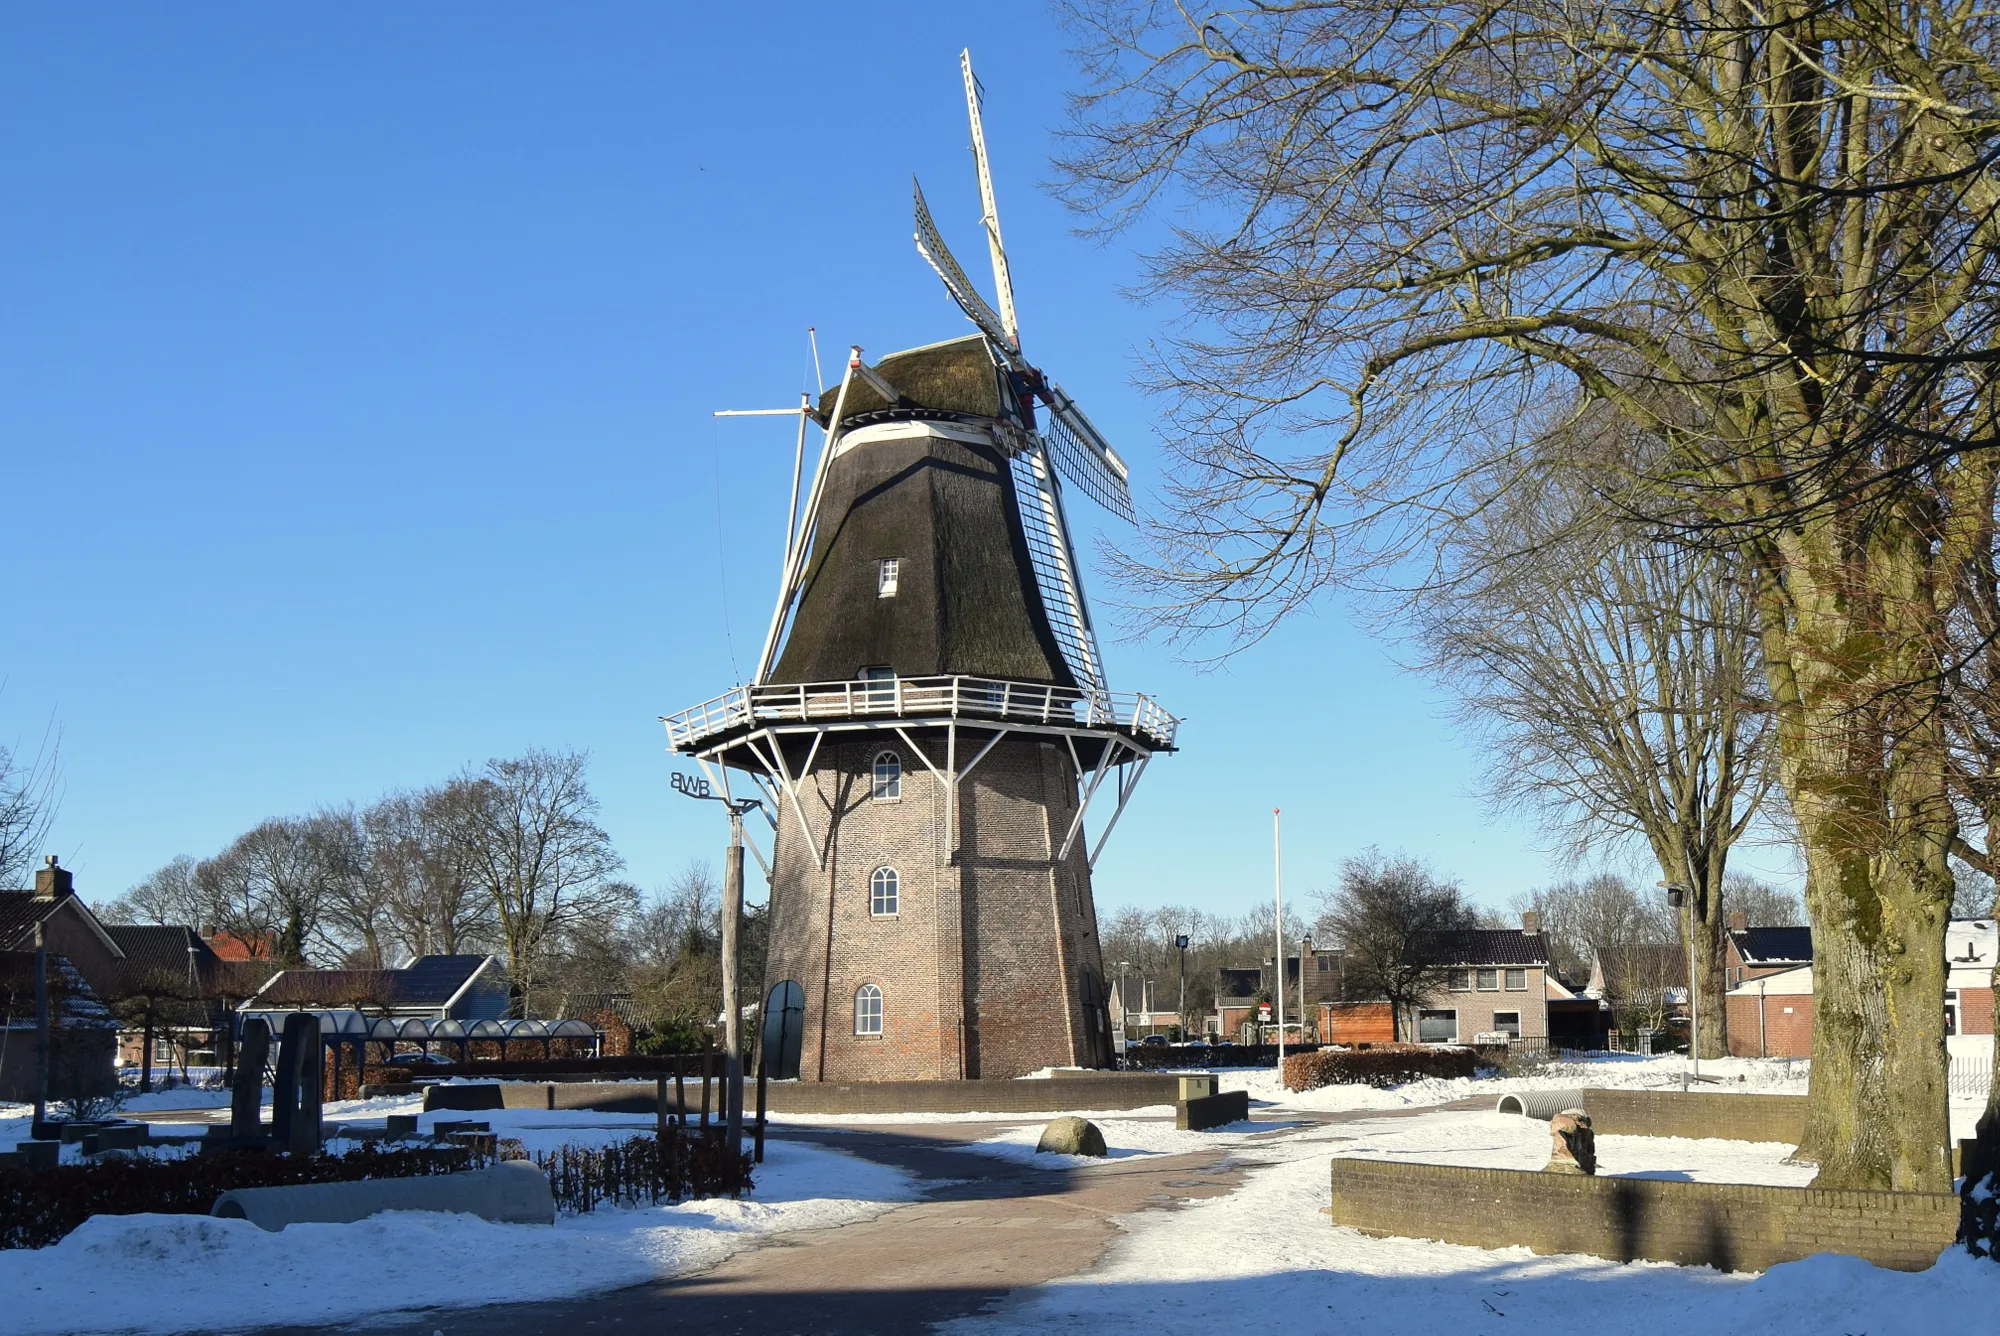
{"x": 1787, "y": 1026}
{"x": 981, "y": 968}
{"x": 1975, "y": 1011}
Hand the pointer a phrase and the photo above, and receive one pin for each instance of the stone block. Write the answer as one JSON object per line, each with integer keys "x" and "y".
{"x": 1198, "y": 1115}
{"x": 400, "y": 1125}
{"x": 464, "y": 1098}
{"x": 1572, "y": 1144}
{"x": 39, "y": 1154}
{"x": 1197, "y": 1087}
{"x": 513, "y": 1193}
{"x": 443, "y": 1128}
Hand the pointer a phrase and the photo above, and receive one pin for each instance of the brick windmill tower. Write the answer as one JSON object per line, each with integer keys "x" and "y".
{"x": 930, "y": 722}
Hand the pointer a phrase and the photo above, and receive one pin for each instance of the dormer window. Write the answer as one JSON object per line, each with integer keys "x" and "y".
{"x": 887, "y": 571}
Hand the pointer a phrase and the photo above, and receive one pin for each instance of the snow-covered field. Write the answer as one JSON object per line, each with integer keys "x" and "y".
{"x": 1267, "y": 1249}
{"x": 167, "y": 1273}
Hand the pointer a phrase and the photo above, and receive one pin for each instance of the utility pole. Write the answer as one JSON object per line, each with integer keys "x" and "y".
{"x": 1181, "y": 945}
{"x": 41, "y": 1029}
{"x": 1278, "y": 924}
{"x": 732, "y": 931}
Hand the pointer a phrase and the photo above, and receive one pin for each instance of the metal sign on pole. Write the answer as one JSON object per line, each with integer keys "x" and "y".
{"x": 1278, "y": 923}
{"x": 690, "y": 786}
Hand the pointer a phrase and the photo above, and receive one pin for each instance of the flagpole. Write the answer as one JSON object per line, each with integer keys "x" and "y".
{"x": 1278, "y": 926}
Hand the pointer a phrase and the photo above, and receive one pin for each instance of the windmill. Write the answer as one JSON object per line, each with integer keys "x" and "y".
{"x": 930, "y": 716}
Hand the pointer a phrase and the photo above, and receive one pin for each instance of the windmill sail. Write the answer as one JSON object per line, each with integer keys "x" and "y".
{"x": 1039, "y": 501}
{"x": 1083, "y": 456}
{"x": 931, "y": 246}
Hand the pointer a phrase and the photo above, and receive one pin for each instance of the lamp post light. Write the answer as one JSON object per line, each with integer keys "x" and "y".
{"x": 689, "y": 786}
{"x": 1181, "y": 945}
{"x": 1677, "y": 897}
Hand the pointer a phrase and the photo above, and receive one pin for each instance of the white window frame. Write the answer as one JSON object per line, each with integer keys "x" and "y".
{"x": 1480, "y": 978}
{"x": 886, "y": 781}
{"x": 1498, "y": 1028}
{"x": 881, "y": 878}
{"x": 888, "y": 575}
{"x": 1507, "y": 983}
{"x": 1458, "y": 981}
{"x": 1951, "y": 1011}
{"x": 1437, "y": 1011}
{"x": 868, "y": 1006}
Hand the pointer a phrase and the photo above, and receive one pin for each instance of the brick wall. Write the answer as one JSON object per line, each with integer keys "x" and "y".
{"x": 982, "y": 967}
{"x": 1975, "y": 1011}
{"x": 1786, "y": 1027}
{"x": 1104, "y": 1090}
{"x": 1670, "y": 1113}
{"x": 1729, "y": 1226}
{"x": 1475, "y": 1008}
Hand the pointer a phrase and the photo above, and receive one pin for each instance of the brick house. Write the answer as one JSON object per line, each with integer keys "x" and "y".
{"x": 1755, "y": 953}
{"x": 1498, "y": 983}
{"x": 1771, "y": 1005}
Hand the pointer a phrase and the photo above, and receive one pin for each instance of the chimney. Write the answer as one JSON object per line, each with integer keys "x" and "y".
{"x": 52, "y": 882}
{"x": 1531, "y": 922}
{"x": 1739, "y": 921}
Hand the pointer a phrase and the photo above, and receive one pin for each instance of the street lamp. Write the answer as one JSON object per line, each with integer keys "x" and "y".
{"x": 1181, "y": 945}
{"x": 1677, "y": 896}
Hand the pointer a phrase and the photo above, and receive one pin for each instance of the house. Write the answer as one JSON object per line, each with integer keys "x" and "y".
{"x": 1756, "y": 953}
{"x": 173, "y": 990}
{"x": 457, "y": 987}
{"x": 1771, "y": 1006}
{"x": 1499, "y": 983}
{"x": 67, "y": 925}
{"x": 82, "y": 1033}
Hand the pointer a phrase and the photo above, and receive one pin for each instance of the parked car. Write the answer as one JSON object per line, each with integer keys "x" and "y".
{"x": 1155, "y": 1041}
{"x": 418, "y": 1060}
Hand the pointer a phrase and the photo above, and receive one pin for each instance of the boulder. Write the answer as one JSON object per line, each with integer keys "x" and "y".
{"x": 1573, "y": 1146}
{"x": 1071, "y": 1136}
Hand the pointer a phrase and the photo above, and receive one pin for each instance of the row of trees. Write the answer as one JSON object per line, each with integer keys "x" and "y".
{"x": 1713, "y": 282}
{"x": 507, "y": 857}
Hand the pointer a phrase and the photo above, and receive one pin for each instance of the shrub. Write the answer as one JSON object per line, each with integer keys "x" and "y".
{"x": 642, "y": 1170}
{"x": 1382, "y": 1066}
{"x": 39, "y": 1206}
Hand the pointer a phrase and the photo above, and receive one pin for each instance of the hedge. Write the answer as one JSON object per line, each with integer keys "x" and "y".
{"x": 1382, "y": 1066}
{"x": 40, "y": 1206}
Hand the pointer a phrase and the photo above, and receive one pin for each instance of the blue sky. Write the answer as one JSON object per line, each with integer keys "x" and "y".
{"x": 356, "y": 371}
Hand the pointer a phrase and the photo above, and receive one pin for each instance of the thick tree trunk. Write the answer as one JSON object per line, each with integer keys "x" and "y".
{"x": 1705, "y": 919}
{"x": 1861, "y": 754}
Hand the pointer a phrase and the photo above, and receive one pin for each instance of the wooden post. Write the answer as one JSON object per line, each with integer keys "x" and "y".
{"x": 660, "y": 1112}
{"x": 706, "y": 1062}
{"x": 760, "y": 1104}
{"x": 680, "y": 1099}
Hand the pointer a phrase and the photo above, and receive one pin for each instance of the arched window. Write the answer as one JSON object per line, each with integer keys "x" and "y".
{"x": 882, "y": 892}
{"x": 888, "y": 777}
{"x": 868, "y": 1010}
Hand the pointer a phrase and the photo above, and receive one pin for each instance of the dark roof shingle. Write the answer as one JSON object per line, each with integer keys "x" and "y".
{"x": 1773, "y": 946}
{"x": 1484, "y": 946}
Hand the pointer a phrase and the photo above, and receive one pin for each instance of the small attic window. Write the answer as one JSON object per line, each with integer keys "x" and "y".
{"x": 887, "y": 571}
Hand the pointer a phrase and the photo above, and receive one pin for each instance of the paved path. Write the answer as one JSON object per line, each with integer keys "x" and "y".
{"x": 985, "y": 1229}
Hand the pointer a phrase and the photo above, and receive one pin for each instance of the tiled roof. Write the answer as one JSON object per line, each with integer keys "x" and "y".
{"x": 1773, "y": 946}
{"x": 20, "y": 911}
{"x": 1484, "y": 946}
{"x": 427, "y": 981}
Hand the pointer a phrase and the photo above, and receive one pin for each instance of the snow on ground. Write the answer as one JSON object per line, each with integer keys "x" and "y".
{"x": 1124, "y": 1138}
{"x": 158, "y": 1273}
{"x": 1509, "y": 1141}
{"x": 863, "y": 1119}
{"x": 1265, "y": 1248}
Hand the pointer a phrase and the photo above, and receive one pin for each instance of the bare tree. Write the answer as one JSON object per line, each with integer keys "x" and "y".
{"x": 1387, "y": 914}
{"x": 1615, "y": 681}
{"x": 270, "y": 885}
{"x": 30, "y": 791}
{"x": 420, "y": 857}
{"x": 1766, "y": 238}
{"x": 354, "y": 914}
{"x": 1762, "y": 904}
{"x": 535, "y": 849}
{"x": 167, "y": 895}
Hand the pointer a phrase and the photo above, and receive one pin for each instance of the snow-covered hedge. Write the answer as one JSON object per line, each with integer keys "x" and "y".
{"x": 1387, "y": 1065}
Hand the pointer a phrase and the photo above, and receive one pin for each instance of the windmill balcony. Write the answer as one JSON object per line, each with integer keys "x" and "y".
{"x": 915, "y": 700}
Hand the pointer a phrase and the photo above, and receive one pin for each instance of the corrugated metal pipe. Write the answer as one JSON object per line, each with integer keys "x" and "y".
{"x": 1542, "y": 1104}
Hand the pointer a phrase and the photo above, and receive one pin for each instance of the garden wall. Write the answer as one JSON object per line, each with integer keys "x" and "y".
{"x": 1100, "y": 1091}
{"x": 1670, "y": 1113}
{"x": 1729, "y": 1226}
